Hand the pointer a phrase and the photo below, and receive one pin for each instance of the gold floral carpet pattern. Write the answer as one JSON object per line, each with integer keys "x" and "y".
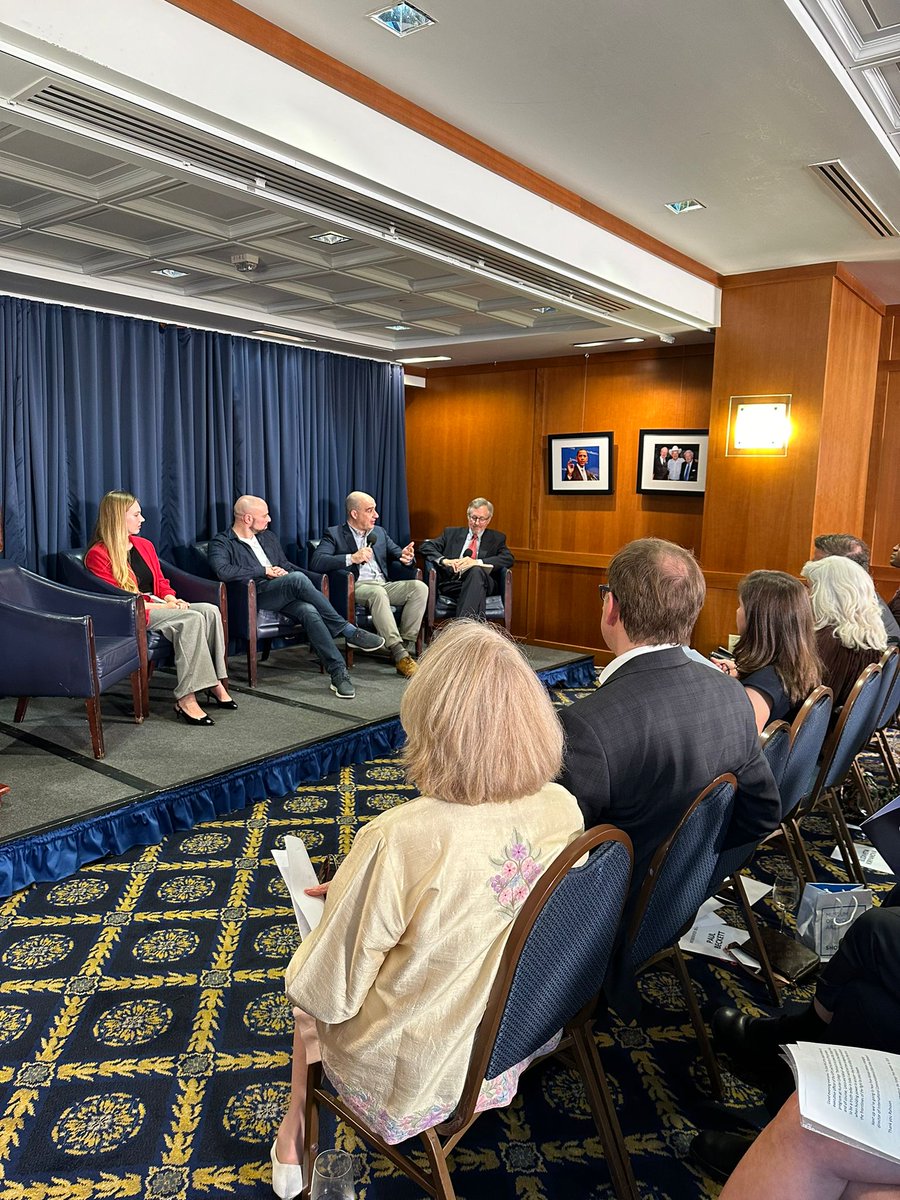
{"x": 144, "y": 1034}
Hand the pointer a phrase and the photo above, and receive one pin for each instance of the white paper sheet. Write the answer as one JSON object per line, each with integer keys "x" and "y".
{"x": 711, "y": 940}
{"x": 755, "y": 889}
{"x": 869, "y": 859}
{"x": 708, "y": 913}
{"x": 850, "y": 1095}
{"x": 298, "y": 873}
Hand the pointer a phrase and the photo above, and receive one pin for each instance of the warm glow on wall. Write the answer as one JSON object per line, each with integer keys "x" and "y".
{"x": 759, "y": 426}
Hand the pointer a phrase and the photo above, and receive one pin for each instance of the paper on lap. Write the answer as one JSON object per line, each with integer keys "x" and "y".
{"x": 849, "y": 1095}
{"x": 298, "y": 873}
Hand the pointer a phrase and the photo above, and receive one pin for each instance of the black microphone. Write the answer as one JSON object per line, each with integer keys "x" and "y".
{"x": 371, "y": 539}
{"x": 467, "y": 554}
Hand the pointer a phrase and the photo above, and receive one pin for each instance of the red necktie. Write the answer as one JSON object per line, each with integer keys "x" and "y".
{"x": 473, "y": 545}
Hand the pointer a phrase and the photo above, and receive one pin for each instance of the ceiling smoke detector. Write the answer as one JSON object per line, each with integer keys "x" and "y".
{"x": 245, "y": 263}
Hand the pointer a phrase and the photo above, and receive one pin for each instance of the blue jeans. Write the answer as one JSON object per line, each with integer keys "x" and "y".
{"x": 298, "y": 596}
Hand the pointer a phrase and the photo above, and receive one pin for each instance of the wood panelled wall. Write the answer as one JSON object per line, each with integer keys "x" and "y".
{"x": 883, "y": 497}
{"x": 483, "y": 431}
{"x": 812, "y": 332}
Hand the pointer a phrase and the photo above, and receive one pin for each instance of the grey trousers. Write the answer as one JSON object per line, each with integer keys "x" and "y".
{"x": 412, "y": 594}
{"x": 199, "y": 642}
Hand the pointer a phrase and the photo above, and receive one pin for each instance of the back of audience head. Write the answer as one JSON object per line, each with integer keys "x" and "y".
{"x": 480, "y": 727}
{"x": 842, "y": 545}
{"x": 659, "y": 589}
{"x": 843, "y": 598}
{"x": 778, "y": 631}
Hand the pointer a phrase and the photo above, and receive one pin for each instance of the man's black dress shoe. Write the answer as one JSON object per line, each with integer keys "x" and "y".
{"x": 719, "y": 1153}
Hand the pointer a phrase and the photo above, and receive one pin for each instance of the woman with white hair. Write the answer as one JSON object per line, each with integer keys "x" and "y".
{"x": 850, "y": 632}
{"x": 398, "y": 972}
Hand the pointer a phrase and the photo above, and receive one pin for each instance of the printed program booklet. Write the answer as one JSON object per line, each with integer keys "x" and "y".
{"x": 299, "y": 873}
{"x": 850, "y": 1095}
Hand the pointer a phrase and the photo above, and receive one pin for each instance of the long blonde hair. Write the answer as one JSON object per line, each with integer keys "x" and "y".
{"x": 480, "y": 727}
{"x": 110, "y": 532}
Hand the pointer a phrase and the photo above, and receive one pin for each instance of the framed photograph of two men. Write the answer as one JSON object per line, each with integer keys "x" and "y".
{"x": 672, "y": 462}
{"x": 580, "y": 464}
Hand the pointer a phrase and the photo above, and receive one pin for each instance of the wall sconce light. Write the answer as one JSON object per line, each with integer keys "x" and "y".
{"x": 758, "y": 426}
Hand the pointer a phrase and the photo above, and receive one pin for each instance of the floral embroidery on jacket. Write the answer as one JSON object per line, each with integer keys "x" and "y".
{"x": 519, "y": 869}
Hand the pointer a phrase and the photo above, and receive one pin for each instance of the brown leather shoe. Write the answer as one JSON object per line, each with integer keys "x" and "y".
{"x": 406, "y": 667}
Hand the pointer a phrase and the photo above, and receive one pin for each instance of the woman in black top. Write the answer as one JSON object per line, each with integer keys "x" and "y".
{"x": 776, "y": 657}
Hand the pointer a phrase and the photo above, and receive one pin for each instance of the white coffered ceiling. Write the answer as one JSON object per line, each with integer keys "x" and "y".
{"x": 629, "y": 105}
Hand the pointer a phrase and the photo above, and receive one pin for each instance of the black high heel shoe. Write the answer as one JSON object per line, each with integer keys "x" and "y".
{"x": 180, "y": 714}
{"x": 212, "y": 698}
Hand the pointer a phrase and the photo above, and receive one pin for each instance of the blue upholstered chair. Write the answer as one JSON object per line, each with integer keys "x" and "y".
{"x": 61, "y": 642}
{"x": 854, "y": 730}
{"x": 342, "y": 593}
{"x": 247, "y": 621}
{"x": 442, "y": 608}
{"x": 548, "y": 980}
{"x": 687, "y": 869}
{"x": 889, "y": 715}
{"x": 192, "y": 588}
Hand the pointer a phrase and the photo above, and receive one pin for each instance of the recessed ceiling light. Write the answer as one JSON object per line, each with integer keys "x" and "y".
{"x": 398, "y": 327}
{"x": 683, "y": 206}
{"x": 284, "y": 337}
{"x": 544, "y": 308}
{"x": 170, "y": 272}
{"x": 401, "y": 19}
{"x": 608, "y": 342}
{"x": 408, "y": 362}
{"x": 330, "y": 238}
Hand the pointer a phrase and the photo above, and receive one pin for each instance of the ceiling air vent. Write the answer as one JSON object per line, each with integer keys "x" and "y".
{"x": 835, "y": 176}
{"x": 183, "y": 145}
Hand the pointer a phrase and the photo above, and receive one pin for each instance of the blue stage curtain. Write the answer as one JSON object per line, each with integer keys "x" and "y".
{"x": 187, "y": 421}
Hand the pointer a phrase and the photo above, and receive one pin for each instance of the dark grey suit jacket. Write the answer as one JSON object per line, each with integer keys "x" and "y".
{"x": 338, "y": 541}
{"x": 493, "y": 549}
{"x": 643, "y": 746}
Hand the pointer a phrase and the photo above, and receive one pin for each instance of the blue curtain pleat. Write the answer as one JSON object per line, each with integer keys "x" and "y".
{"x": 186, "y": 420}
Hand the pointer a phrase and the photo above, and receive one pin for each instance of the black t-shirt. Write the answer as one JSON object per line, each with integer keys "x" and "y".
{"x": 142, "y": 572}
{"x": 766, "y": 681}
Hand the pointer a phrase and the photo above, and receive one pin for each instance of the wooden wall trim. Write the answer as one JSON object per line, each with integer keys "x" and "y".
{"x": 837, "y": 270}
{"x": 255, "y": 31}
{"x": 696, "y": 350}
{"x": 600, "y": 562}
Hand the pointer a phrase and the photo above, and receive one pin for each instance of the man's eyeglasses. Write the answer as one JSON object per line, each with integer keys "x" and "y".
{"x": 479, "y": 520}
{"x": 605, "y": 590}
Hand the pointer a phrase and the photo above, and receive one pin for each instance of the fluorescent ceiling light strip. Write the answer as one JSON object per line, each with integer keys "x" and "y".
{"x": 142, "y": 103}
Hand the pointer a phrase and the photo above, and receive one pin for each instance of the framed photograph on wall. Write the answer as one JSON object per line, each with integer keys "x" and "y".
{"x": 672, "y": 461}
{"x": 580, "y": 464}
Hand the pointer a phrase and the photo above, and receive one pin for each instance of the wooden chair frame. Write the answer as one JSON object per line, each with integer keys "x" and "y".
{"x": 439, "y": 1141}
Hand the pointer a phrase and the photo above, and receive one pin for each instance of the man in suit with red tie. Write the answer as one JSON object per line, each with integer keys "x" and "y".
{"x": 465, "y": 558}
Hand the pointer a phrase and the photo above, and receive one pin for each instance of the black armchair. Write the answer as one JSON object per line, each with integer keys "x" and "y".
{"x": 443, "y": 608}
{"x": 193, "y": 588}
{"x": 342, "y": 593}
{"x": 246, "y": 619}
{"x": 61, "y": 642}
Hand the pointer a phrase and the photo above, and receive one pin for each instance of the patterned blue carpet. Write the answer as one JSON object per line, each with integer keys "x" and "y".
{"x": 144, "y": 1035}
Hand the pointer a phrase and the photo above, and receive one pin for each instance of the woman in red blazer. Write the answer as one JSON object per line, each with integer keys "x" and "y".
{"x": 120, "y": 557}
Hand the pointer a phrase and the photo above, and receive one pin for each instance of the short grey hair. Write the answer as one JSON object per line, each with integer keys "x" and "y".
{"x": 356, "y": 500}
{"x": 480, "y": 502}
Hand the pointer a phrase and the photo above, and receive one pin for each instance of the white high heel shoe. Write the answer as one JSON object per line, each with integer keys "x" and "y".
{"x": 287, "y": 1178}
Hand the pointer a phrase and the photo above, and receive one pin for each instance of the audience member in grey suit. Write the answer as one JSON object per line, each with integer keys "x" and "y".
{"x": 661, "y": 726}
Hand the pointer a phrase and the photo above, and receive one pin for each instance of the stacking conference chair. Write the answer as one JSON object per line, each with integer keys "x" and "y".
{"x": 248, "y": 621}
{"x": 890, "y": 693}
{"x": 189, "y": 587}
{"x": 61, "y": 642}
{"x": 856, "y": 724}
{"x": 687, "y": 869}
{"x": 342, "y": 593}
{"x": 547, "y": 981}
{"x": 442, "y": 608}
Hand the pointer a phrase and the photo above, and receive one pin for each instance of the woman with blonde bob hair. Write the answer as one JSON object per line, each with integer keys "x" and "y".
{"x": 850, "y": 631}
{"x": 398, "y": 972}
{"x": 775, "y": 657}
{"x": 119, "y": 556}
